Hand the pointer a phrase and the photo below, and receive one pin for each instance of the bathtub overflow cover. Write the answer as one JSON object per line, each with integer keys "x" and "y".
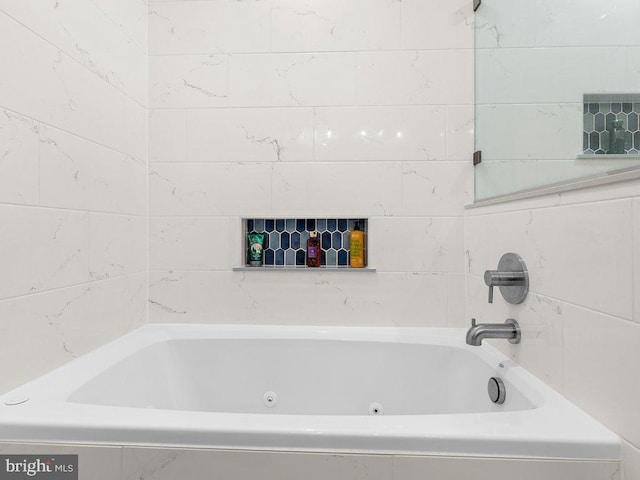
{"x": 270, "y": 399}
{"x": 497, "y": 390}
{"x": 376, "y": 409}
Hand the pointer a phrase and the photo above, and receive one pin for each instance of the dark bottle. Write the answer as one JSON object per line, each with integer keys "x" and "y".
{"x": 616, "y": 138}
{"x": 313, "y": 250}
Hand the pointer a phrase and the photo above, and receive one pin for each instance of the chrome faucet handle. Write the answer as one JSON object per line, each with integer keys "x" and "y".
{"x": 473, "y": 322}
{"x": 511, "y": 276}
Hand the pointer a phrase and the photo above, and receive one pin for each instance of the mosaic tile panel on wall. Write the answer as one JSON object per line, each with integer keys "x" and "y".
{"x": 286, "y": 239}
{"x": 599, "y": 115}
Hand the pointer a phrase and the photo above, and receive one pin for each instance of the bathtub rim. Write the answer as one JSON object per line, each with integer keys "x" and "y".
{"x": 473, "y": 443}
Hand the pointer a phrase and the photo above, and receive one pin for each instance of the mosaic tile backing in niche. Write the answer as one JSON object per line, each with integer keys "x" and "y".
{"x": 286, "y": 239}
{"x": 599, "y": 113}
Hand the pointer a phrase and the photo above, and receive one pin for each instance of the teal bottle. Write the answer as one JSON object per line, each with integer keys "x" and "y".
{"x": 616, "y": 138}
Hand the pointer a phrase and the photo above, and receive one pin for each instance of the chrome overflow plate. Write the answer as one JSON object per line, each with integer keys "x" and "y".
{"x": 497, "y": 391}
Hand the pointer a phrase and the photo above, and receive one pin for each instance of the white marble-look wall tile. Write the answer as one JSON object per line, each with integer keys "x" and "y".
{"x": 460, "y": 132}
{"x": 214, "y": 189}
{"x": 79, "y": 29}
{"x": 437, "y": 25}
{"x": 380, "y": 133}
{"x": 522, "y": 75}
{"x": 304, "y": 79}
{"x": 436, "y": 188}
{"x": 335, "y": 25}
{"x": 63, "y": 93}
{"x": 277, "y": 297}
{"x": 599, "y": 355}
{"x": 630, "y": 461}
{"x": 95, "y": 462}
{"x": 414, "y": 468}
{"x": 633, "y": 75}
{"x": 167, "y": 135}
{"x": 178, "y": 81}
{"x": 209, "y": 27}
{"x": 250, "y": 134}
{"x": 504, "y": 131}
{"x": 559, "y": 250}
{"x": 191, "y": 243}
{"x": 168, "y": 464}
{"x": 498, "y": 177}
{"x": 306, "y": 69}
{"x": 42, "y": 249}
{"x": 549, "y": 23}
{"x": 554, "y": 171}
{"x": 312, "y": 298}
{"x": 117, "y": 245}
{"x": 340, "y": 189}
{"x": 168, "y": 296}
{"x": 418, "y": 244}
{"x": 385, "y": 299}
{"x": 130, "y": 16}
{"x": 78, "y": 174}
{"x": 73, "y": 130}
{"x": 456, "y": 300}
{"x": 51, "y": 328}
{"x": 423, "y": 77}
{"x": 19, "y": 146}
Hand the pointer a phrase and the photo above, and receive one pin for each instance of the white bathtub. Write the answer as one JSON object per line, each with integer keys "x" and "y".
{"x": 214, "y": 386}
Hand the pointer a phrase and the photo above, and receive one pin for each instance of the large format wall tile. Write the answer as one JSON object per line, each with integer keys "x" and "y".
{"x": 65, "y": 94}
{"x": 436, "y": 25}
{"x": 78, "y": 174}
{"x": 336, "y": 189}
{"x": 73, "y": 180}
{"x": 166, "y": 463}
{"x": 184, "y": 243}
{"x": 42, "y": 249}
{"x": 20, "y": 142}
{"x": 208, "y": 27}
{"x": 48, "y": 329}
{"x": 79, "y": 29}
{"x": 289, "y": 79}
{"x": 421, "y": 77}
{"x": 214, "y": 189}
{"x": 250, "y": 135}
{"x": 335, "y": 25}
{"x": 380, "y": 133}
{"x": 572, "y": 251}
{"x": 598, "y": 352}
{"x": 334, "y": 109}
{"x": 188, "y": 81}
{"x": 431, "y": 244}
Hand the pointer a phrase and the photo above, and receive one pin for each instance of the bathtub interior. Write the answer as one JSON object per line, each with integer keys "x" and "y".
{"x": 308, "y": 377}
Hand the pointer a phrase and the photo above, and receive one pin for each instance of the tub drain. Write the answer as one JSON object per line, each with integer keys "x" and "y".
{"x": 376, "y": 409}
{"x": 270, "y": 399}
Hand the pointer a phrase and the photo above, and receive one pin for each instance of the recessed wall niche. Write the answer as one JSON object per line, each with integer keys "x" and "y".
{"x": 600, "y": 111}
{"x": 286, "y": 240}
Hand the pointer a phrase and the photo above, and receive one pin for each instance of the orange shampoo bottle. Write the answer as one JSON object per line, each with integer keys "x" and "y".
{"x": 356, "y": 247}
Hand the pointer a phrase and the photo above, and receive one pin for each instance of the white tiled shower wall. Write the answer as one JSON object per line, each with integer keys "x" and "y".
{"x": 73, "y": 176}
{"x": 581, "y": 320}
{"x": 316, "y": 108}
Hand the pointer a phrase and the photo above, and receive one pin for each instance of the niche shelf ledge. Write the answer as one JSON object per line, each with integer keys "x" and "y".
{"x": 302, "y": 268}
{"x": 598, "y": 156}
